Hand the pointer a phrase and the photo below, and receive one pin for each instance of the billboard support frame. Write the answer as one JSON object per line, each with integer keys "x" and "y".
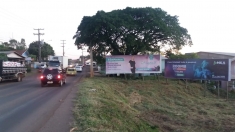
{"x": 218, "y": 89}
{"x": 227, "y": 91}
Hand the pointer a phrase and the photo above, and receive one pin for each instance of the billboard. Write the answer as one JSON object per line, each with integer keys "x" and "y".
{"x": 133, "y": 64}
{"x": 233, "y": 69}
{"x": 201, "y": 69}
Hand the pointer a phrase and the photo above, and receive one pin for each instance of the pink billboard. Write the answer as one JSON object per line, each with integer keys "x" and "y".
{"x": 133, "y": 64}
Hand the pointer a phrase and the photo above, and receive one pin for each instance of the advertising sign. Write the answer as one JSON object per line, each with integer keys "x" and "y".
{"x": 233, "y": 69}
{"x": 201, "y": 69}
{"x": 133, "y": 64}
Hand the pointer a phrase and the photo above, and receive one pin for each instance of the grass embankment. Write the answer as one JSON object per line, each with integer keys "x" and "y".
{"x": 114, "y": 104}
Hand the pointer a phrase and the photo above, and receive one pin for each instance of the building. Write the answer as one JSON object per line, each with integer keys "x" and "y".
{"x": 163, "y": 58}
{"x": 14, "y": 56}
{"x": 25, "y": 54}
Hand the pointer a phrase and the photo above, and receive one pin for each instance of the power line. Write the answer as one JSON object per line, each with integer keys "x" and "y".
{"x": 39, "y": 47}
{"x": 63, "y": 46}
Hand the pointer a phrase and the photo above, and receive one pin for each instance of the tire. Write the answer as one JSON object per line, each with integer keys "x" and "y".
{"x": 19, "y": 78}
{"x": 61, "y": 83}
{"x": 64, "y": 81}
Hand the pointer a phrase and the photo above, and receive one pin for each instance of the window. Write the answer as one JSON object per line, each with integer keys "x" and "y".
{"x": 51, "y": 71}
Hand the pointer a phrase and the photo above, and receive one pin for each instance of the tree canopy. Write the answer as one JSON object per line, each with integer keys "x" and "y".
{"x": 3, "y": 57}
{"x": 131, "y": 31}
{"x": 5, "y": 48}
{"x": 170, "y": 55}
{"x": 46, "y": 50}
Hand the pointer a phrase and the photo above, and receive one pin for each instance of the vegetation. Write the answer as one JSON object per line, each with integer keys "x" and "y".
{"x": 33, "y": 57}
{"x": 114, "y": 104}
{"x": 46, "y": 49}
{"x": 169, "y": 54}
{"x": 131, "y": 31}
{"x": 3, "y": 57}
{"x": 13, "y": 44}
{"x": 5, "y": 48}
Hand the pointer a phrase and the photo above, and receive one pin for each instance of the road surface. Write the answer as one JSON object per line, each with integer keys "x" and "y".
{"x": 27, "y": 107}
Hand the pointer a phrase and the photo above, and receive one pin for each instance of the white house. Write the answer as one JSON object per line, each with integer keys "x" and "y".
{"x": 163, "y": 58}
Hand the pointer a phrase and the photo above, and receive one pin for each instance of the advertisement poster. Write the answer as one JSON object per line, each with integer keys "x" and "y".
{"x": 201, "y": 69}
{"x": 133, "y": 64}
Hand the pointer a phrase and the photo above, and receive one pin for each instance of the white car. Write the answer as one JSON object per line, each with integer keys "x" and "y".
{"x": 78, "y": 68}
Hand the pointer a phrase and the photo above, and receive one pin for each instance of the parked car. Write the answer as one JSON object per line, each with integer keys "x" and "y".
{"x": 52, "y": 76}
{"x": 71, "y": 71}
{"x": 79, "y": 68}
{"x": 43, "y": 66}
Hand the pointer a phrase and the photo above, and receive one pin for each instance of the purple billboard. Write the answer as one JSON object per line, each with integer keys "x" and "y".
{"x": 133, "y": 64}
{"x": 201, "y": 69}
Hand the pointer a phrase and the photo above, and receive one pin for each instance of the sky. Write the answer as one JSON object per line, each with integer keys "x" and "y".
{"x": 211, "y": 23}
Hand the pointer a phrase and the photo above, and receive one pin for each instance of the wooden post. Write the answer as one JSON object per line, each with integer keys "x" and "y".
{"x": 178, "y": 81}
{"x": 157, "y": 77}
{"x": 166, "y": 80}
{"x": 205, "y": 89}
{"x": 125, "y": 76}
{"x": 227, "y": 90}
{"x": 91, "y": 63}
{"x": 218, "y": 88}
{"x": 186, "y": 83}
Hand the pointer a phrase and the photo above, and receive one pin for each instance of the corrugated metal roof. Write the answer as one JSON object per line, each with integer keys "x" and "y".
{"x": 220, "y": 53}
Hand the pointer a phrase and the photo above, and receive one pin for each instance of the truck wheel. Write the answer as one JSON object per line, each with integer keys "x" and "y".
{"x": 64, "y": 81}
{"x": 19, "y": 78}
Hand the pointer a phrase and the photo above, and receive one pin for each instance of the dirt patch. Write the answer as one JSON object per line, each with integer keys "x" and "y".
{"x": 134, "y": 98}
{"x": 165, "y": 123}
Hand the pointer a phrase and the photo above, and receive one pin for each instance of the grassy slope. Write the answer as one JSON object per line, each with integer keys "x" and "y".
{"x": 136, "y": 105}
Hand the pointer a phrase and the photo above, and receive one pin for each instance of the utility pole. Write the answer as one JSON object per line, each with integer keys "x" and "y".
{"x": 63, "y": 46}
{"x": 83, "y": 58}
{"x": 91, "y": 63}
{"x": 39, "y": 45}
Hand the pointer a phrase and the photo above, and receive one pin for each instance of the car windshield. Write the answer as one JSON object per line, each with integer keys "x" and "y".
{"x": 55, "y": 63}
{"x": 71, "y": 69}
{"x": 51, "y": 71}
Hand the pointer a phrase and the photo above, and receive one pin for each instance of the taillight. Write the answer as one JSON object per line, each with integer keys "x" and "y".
{"x": 59, "y": 76}
{"x": 41, "y": 77}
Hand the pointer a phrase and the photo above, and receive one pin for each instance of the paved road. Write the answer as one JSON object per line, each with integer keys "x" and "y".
{"x": 27, "y": 107}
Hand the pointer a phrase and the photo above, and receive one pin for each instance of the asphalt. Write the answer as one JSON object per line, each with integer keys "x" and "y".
{"x": 27, "y": 107}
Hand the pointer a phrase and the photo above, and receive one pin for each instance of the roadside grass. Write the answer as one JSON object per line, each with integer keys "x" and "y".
{"x": 116, "y": 104}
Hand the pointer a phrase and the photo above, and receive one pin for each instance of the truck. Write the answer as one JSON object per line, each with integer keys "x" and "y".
{"x": 12, "y": 71}
{"x": 60, "y": 62}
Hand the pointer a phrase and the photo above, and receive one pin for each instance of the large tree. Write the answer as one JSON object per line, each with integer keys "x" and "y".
{"x": 5, "y": 48}
{"x": 46, "y": 49}
{"x": 130, "y": 31}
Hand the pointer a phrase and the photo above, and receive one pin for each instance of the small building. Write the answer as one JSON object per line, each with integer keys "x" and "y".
{"x": 14, "y": 56}
{"x": 25, "y": 54}
{"x": 88, "y": 62}
{"x": 163, "y": 58}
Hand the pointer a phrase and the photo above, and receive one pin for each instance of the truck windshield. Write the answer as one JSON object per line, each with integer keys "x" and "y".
{"x": 54, "y": 63}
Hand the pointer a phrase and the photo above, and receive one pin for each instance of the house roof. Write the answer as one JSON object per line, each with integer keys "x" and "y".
{"x": 20, "y": 51}
{"x": 220, "y": 53}
{"x": 10, "y": 52}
